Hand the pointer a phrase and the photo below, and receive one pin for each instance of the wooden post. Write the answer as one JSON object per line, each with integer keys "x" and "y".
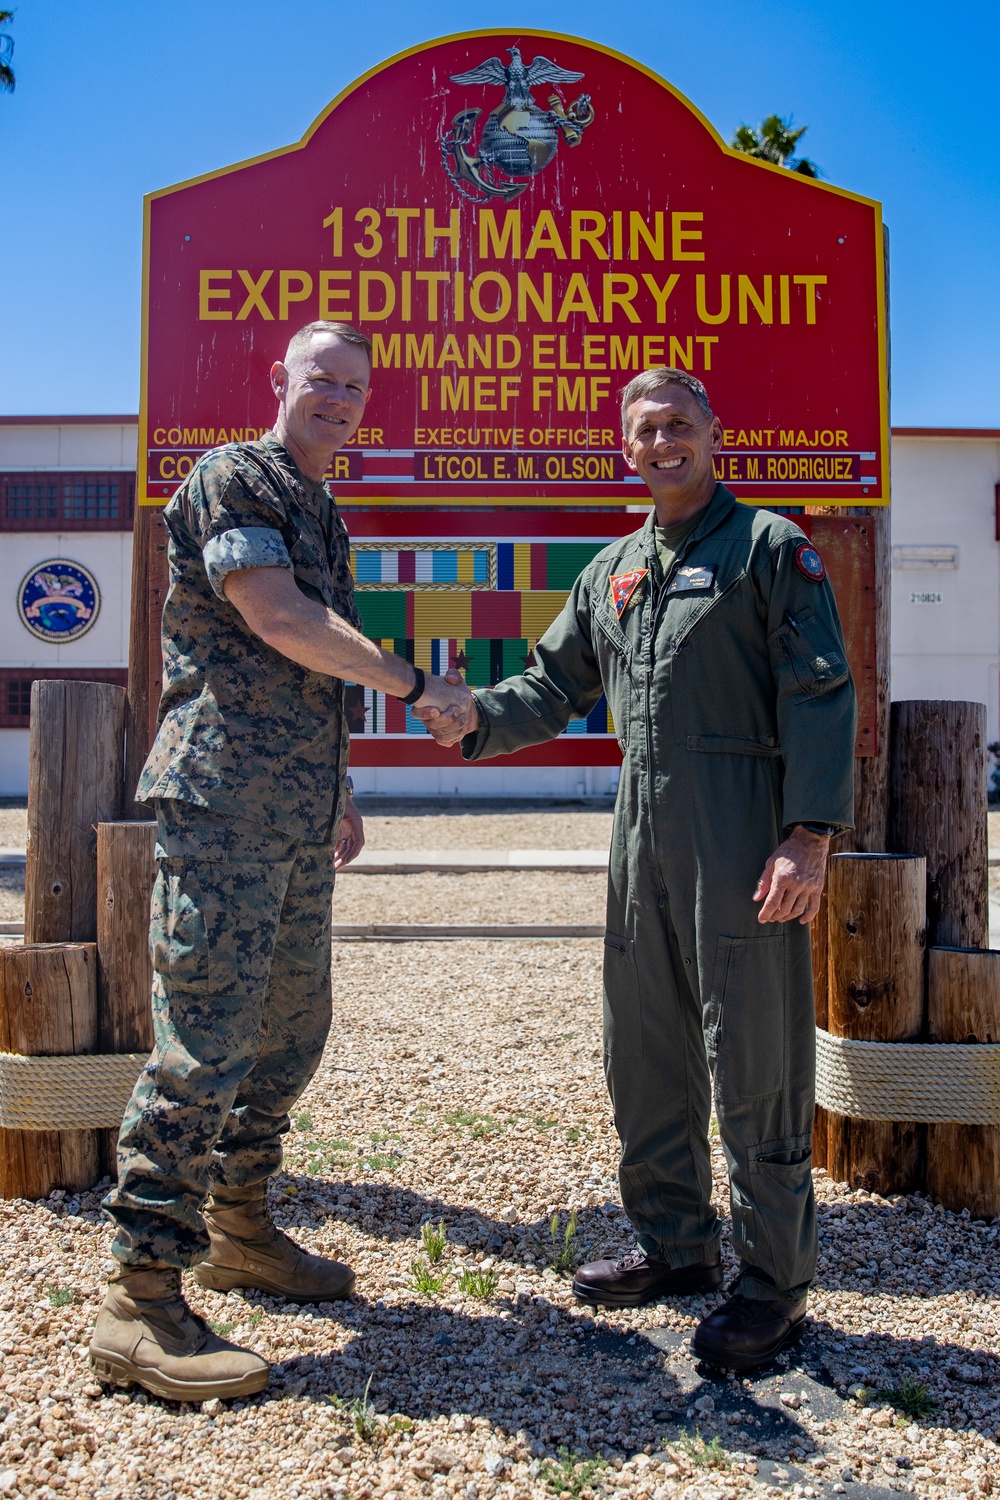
{"x": 877, "y": 928}
{"x": 126, "y": 870}
{"x": 819, "y": 932}
{"x": 864, "y": 607}
{"x": 48, "y": 1008}
{"x": 938, "y": 809}
{"x": 963, "y": 1005}
{"x": 74, "y": 782}
{"x": 871, "y": 772}
{"x": 145, "y": 669}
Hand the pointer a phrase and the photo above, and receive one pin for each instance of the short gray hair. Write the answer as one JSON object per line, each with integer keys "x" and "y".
{"x": 655, "y": 379}
{"x": 299, "y": 342}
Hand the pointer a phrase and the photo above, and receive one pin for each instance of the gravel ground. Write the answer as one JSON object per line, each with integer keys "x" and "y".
{"x": 11, "y": 893}
{"x": 463, "y": 1085}
{"x": 519, "y": 896}
{"x": 13, "y": 824}
{"x": 464, "y": 824}
{"x": 467, "y": 823}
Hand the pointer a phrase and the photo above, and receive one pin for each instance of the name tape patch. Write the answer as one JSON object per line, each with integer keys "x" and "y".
{"x": 692, "y": 580}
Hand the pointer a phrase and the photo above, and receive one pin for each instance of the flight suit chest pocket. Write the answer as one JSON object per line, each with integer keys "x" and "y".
{"x": 745, "y": 1021}
{"x": 809, "y": 649}
{"x": 615, "y": 655}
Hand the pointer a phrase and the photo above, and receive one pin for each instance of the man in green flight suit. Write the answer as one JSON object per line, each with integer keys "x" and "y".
{"x": 248, "y": 778}
{"x": 714, "y": 633}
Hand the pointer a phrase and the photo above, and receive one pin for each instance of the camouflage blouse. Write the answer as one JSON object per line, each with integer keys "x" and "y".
{"x": 241, "y": 729}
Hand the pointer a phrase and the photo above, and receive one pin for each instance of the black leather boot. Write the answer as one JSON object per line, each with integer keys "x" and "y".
{"x": 744, "y": 1333}
{"x": 639, "y": 1278}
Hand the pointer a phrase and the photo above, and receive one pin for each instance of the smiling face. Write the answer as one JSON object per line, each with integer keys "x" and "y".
{"x": 322, "y": 393}
{"x": 669, "y": 443}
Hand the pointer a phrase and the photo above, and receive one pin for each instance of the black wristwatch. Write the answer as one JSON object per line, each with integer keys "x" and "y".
{"x": 417, "y": 690}
{"x": 827, "y": 829}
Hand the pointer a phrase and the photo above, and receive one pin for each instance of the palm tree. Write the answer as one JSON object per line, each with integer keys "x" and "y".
{"x": 775, "y": 142}
{"x": 6, "y": 53}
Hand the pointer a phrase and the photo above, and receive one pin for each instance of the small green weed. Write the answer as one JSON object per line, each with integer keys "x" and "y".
{"x": 425, "y": 1282}
{"x": 693, "y": 1447}
{"x": 543, "y": 1124}
{"x": 910, "y": 1397}
{"x": 326, "y": 1156}
{"x": 60, "y": 1296}
{"x": 481, "y": 1284}
{"x": 569, "y": 1473}
{"x": 382, "y": 1161}
{"x": 367, "y": 1424}
{"x": 255, "y": 1316}
{"x": 477, "y": 1124}
{"x": 562, "y": 1251}
{"x": 304, "y": 1121}
{"x": 433, "y": 1240}
{"x": 361, "y": 1411}
{"x": 222, "y": 1329}
{"x": 573, "y": 1134}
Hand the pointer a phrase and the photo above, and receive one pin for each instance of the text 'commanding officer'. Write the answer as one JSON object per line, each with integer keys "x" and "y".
{"x": 714, "y": 633}
{"x": 248, "y": 778}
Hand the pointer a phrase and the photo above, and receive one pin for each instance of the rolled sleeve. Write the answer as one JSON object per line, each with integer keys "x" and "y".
{"x": 243, "y": 547}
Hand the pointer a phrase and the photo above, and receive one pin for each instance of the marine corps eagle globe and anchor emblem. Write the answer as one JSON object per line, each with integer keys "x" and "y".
{"x": 519, "y": 139}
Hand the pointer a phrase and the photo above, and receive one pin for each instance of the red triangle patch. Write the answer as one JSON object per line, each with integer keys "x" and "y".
{"x": 624, "y": 587}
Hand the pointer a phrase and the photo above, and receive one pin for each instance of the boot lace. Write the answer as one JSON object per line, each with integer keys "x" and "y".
{"x": 635, "y": 1260}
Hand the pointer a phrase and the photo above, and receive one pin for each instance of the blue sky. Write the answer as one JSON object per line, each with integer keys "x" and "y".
{"x": 118, "y": 97}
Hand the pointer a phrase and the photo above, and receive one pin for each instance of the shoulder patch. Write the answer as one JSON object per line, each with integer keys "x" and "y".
{"x": 809, "y": 562}
{"x": 625, "y": 587}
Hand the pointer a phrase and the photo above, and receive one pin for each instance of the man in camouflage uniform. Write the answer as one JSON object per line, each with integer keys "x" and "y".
{"x": 714, "y": 633}
{"x": 248, "y": 778}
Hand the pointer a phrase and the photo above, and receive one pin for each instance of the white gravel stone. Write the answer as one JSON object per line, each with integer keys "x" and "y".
{"x": 462, "y": 1083}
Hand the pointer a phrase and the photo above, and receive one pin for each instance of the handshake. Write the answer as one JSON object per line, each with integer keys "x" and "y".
{"x": 447, "y": 708}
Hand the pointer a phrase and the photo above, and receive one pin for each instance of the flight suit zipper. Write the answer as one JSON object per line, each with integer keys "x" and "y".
{"x": 656, "y": 605}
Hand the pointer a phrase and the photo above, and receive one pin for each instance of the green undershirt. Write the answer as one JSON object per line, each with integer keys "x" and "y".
{"x": 670, "y": 539}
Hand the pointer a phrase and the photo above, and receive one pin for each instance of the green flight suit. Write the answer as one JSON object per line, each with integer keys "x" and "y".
{"x": 247, "y": 778}
{"x": 735, "y": 710}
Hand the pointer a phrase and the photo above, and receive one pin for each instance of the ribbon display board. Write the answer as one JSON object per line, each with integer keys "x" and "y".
{"x": 521, "y": 222}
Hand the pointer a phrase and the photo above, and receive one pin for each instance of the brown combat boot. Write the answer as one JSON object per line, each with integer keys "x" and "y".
{"x": 247, "y": 1250}
{"x": 147, "y": 1335}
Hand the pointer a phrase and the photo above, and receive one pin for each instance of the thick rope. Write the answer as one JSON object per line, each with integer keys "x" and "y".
{"x": 940, "y": 1083}
{"x": 67, "y": 1093}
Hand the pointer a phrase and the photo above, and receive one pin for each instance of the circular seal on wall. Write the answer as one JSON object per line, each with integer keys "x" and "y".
{"x": 58, "y": 601}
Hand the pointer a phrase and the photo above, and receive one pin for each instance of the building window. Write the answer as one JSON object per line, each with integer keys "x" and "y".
{"x": 15, "y": 688}
{"x": 66, "y": 502}
{"x": 90, "y": 499}
{"x": 32, "y": 502}
{"x": 19, "y": 698}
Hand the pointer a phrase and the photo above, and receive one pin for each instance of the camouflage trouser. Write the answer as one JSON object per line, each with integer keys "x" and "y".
{"x": 240, "y": 937}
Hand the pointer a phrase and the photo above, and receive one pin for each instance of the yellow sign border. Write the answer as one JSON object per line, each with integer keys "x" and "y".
{"x": 538, "y": 502}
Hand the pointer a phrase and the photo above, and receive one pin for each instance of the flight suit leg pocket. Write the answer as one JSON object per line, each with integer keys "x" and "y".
{"x": 622, "y": 1009}
{"x": 745, "y": 1020}
{"x": 781, "y": 1194}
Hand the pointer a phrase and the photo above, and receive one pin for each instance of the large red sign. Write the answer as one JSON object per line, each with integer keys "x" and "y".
{"x": 522, "y": 221}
